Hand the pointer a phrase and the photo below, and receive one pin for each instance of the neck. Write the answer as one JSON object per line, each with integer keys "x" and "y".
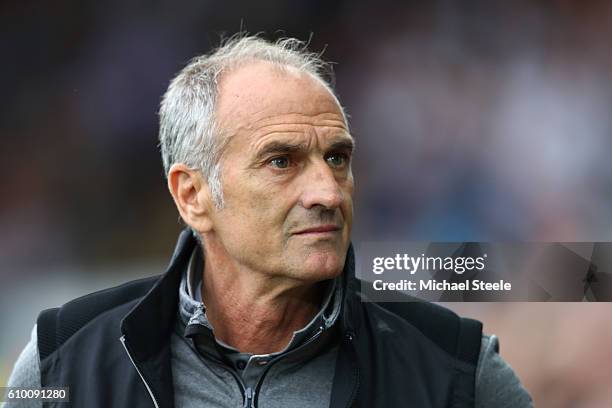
{"x": 252, "y": 312}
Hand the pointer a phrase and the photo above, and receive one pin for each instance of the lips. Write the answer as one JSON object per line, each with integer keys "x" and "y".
{"x": 319, "y": 229}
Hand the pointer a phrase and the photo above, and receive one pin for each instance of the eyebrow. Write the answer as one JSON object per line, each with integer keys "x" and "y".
{"x": 279, "y": 147}
{"x": 343, "y": 144}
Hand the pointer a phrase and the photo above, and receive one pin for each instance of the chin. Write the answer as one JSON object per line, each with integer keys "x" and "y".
{"x": 322, "y": 265}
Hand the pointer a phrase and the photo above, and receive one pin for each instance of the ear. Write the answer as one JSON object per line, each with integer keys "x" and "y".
{"x": 192, "y": 197}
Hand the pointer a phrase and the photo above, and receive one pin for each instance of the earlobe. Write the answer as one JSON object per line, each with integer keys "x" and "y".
{"x": 191, "y": 195}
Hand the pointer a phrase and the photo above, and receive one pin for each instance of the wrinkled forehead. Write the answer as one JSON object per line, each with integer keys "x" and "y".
{"x": 260, "y": 91}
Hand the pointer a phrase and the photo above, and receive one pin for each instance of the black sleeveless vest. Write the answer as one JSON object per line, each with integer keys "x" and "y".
{"x": 112, "y": 348}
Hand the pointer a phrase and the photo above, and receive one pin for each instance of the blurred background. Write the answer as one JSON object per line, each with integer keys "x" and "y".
{"x": 480, "y": 120}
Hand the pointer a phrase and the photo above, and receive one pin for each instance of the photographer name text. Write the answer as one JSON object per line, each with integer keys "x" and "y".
{"x": 443, "y": 285}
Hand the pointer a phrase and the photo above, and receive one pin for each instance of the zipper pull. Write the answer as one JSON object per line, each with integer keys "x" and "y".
{"x": 249, "y": 398}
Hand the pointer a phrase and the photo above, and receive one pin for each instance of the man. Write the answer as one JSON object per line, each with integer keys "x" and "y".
{"x": 260, "y": 306}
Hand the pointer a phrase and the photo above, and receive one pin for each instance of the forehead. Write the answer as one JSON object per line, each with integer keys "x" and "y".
{"x": 260, "y": 93}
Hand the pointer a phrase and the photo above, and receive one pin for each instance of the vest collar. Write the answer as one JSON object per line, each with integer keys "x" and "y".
{"x": 148, "y": 326}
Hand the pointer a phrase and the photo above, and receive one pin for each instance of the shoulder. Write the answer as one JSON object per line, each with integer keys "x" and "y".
{"x": 455, "y": 335}
{"x": 108, "y": 298}
{"x": 496, "y": 382}
{"x": 55, "y": 326}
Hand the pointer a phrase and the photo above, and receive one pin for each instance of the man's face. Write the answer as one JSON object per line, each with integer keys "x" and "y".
{"x": 286, "y": 174}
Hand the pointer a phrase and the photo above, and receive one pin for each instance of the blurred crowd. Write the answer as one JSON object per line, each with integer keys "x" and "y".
{"x": 480, "y": 120}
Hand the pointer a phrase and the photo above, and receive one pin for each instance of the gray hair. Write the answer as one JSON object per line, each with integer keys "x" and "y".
{"x": 188, "y": 131}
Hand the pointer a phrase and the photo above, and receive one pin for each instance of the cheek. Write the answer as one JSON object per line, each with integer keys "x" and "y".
{"x": 257, "y": 210}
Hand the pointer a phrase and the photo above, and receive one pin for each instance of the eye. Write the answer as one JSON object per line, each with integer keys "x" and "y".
{"x": 280, "y": 162}
{"x": 337, "y": 159}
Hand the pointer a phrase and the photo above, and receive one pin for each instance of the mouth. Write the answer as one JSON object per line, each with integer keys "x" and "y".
{"x": 319, "y": 230}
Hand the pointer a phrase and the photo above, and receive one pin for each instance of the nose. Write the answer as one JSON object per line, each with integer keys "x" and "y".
{"x": 321, "y": 188}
